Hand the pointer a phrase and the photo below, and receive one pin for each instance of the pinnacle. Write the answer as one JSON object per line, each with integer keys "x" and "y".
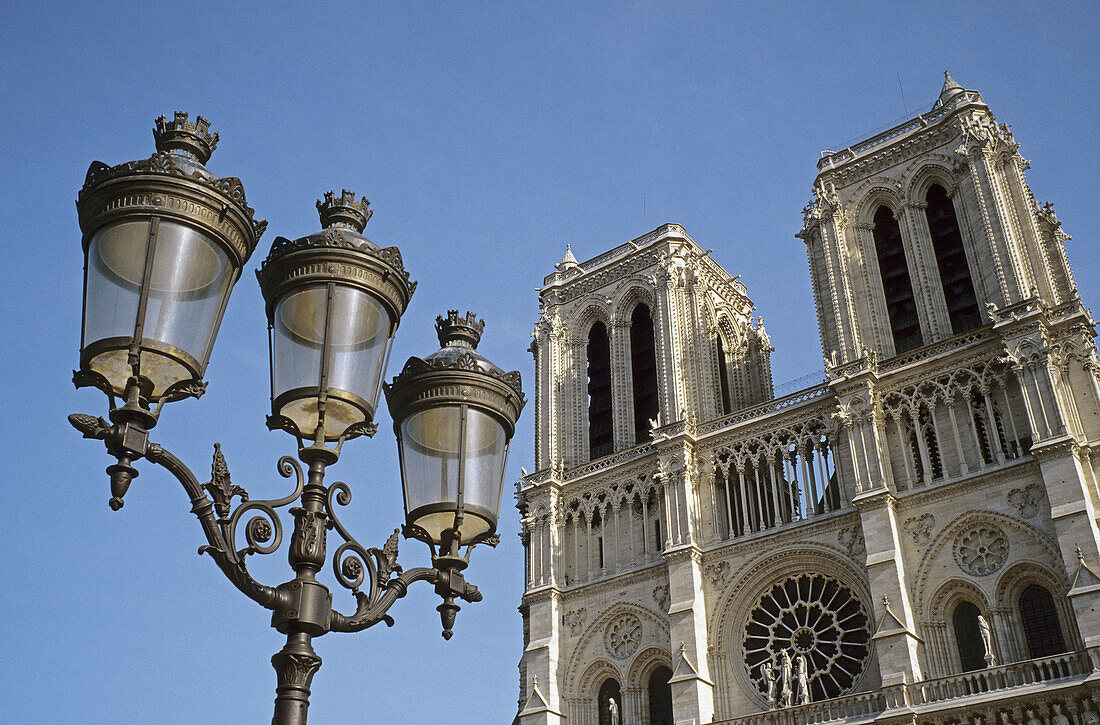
{"x": 950, "y": 87}
{"x": 568, "y": 261}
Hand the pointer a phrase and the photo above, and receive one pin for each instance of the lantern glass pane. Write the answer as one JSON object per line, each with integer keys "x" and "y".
{"x": 116, "y": 262}
{"x": 357, "y": 335}
{"x": 189, "y": 282}
{"x": 431, "y": 454}
{"x": 484, "y": 460}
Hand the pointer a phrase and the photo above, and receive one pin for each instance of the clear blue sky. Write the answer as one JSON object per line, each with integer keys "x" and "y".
{"x": 487, "y": 136}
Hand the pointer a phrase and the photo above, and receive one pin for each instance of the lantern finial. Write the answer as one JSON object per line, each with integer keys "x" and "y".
{"x": 179, "y": 134}
{"x": 344, "y": 212}
{"x": 455, "y": 331}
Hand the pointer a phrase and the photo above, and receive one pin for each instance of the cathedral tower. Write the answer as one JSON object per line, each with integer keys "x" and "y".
{"x": 914, "y": 539}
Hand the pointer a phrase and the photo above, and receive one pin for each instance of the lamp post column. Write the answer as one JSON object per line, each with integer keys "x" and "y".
{"x": 304, "y": 608}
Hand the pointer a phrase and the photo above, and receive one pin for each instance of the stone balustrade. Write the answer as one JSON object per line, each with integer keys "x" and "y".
{"x": 935, "y": 694}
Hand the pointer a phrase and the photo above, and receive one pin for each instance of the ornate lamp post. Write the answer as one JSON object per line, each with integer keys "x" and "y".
{"x": 164, "y": 243}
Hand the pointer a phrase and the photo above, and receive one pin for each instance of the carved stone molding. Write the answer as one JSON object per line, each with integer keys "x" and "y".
{"x": 575, "y": 620}
{"x": 852, "y": 541}
{"x": 920, "y": 528}
{"x": 1026, "y": 499}
{"x": 662, "y": 598}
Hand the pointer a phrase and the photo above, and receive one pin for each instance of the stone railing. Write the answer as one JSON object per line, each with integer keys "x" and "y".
{"x": 957, "y": 342}
{"x": 1004, "y": 677}
{"x": 925, "y": 695}
{"x": 859, "y": 706}
{"x": 634, "y": 244}
{"x": 833, "y": 158}
{"x": 772, "y": 406}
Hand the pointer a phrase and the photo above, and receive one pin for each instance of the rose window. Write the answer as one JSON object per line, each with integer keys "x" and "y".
{"x": 623, "y": 636}
{"x": 982, "y": 550}
{"x": 815, "y": 619}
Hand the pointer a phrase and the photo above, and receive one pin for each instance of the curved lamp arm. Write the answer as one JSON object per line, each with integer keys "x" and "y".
{"x": 129, "y": 442}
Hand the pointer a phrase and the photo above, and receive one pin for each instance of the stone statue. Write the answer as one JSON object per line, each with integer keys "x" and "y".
{"x": 1059, "y": 718}
{"x": 787, "y": 694}
{"x": 987, "y": 641}
{"x": 613, "y": 712}
{"x": 1032, "y": 720}
{"x": 768, "y": 670}
{"x": 803, "y": 676}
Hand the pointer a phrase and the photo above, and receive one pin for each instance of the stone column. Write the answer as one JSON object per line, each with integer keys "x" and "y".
{"x": 925, "y": 273}
{"x": 622, "y": 385}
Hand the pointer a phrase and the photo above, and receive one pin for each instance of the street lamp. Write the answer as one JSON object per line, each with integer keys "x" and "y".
{"x": 164, "y": 242}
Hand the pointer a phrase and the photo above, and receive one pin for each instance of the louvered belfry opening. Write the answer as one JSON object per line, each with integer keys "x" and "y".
{"x": 896, "y": 285}
{"x": 599, "y": 392}
{"x": 958, "y": 287}
{"x": 643, "y": 362}
{"x": 723, "y": 377}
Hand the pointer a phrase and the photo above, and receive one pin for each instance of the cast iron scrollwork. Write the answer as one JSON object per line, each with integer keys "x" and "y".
{"x": 353, "y": 565}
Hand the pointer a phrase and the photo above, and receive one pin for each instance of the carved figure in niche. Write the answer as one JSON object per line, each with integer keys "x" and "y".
{"x": 1088, "y": 717}
{"x": 987, "y": 641}
{"x": 786, "y": 693}
{"x": 613, "y": 712}
{"x": 803, "y": 676}
{"x": 1059, "y": 718}
{"x": 1032, "y": 720}
{"x": 768, "y": 670}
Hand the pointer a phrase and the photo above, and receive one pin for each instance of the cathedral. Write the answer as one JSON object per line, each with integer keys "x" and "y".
{"x": 911, "y": 540}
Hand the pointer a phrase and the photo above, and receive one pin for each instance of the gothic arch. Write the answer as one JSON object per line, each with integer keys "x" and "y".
{"x": 1021, "y": 535}
{"x": 633, "y": 292}
{"x": 589, "y": 650}
{"x": 595, "y": 675}
{"x": 594, "y": 310}
{"x": 948, "y": 595}
{"x": 931, "y": 171}
{"x": 729, "y": 617}
{"x": 883, "y": 192}
{"x": 644, "y": 664}
{"x": 1023, "y": 574}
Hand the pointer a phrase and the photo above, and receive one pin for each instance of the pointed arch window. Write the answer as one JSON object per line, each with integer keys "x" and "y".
{"x": 901, "y": 307}
{"x": 599, "y": 392}
{"x": 660, "y": 697}
{"x": 643, "y": 364}
{"x": 723, "y": 377}
{"x": 968, "y": 636}
{"x": 1040, "y": 620}
{"x": 958, "y": 287}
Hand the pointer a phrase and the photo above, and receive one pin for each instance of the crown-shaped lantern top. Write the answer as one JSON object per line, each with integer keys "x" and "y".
{"x": 455, "y": 331}
{"x": 179, "y": 134}
{"x": 345, "y": 212}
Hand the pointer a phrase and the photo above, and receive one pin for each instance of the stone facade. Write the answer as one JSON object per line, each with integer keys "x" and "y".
{"x": 913, "y": 539}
